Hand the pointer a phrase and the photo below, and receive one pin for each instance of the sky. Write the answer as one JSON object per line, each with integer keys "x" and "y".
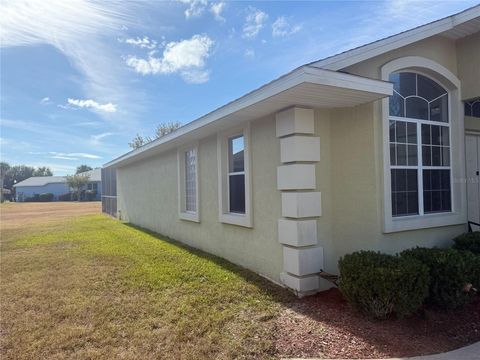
{"x": 79, "y": 79}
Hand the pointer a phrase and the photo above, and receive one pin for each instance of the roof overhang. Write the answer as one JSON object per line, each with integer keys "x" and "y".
{"x": 305, "y": 86}
{"x": 454, "y": 27}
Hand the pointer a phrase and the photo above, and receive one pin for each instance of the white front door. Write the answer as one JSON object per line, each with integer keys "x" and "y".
{"x": 472, "y": 147}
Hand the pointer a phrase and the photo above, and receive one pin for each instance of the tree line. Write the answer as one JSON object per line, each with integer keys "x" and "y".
{"x": 13, "y": 174}
{"x": 161, "y": 130}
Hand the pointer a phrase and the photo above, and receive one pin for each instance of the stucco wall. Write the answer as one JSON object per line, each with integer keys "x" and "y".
{"x": 147, "y": 196}
{"x": 356, "y": 139}
{"x": 468, "y": 59}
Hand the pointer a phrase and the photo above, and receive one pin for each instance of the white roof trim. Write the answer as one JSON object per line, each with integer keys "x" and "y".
{"x": 379, "y": 47}
{"x": 303, "y": 74}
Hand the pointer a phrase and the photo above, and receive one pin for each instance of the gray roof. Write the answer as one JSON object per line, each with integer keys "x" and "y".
{"x": 95, "y": 175}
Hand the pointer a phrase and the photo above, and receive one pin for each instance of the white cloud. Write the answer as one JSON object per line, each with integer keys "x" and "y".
{"x": 96, "y": 140}
{"x": 45, "y": 101}
{"x": 143, "y": 43}
{"x": 249, "y": 53}
{"x": 186, "y": 57}
{"x": 88, "y": 103}
{"x": 82, "y": 30}
{"x": 217, "y": 9}
{"x": 76, "y": 155}
{"x": 282, "y": 28}
{"x": 254, "y": 22}
{"x": 195, "y": 7}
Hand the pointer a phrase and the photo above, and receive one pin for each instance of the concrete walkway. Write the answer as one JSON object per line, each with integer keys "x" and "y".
{"x": 471, "y": 352}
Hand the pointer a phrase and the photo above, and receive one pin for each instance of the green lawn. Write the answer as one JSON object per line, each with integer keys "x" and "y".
{"x": 92, "y": 287}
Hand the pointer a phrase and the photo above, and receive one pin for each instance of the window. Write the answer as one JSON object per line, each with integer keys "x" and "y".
{"x": 236, "y": 174}
{"x": 472, "y": 108}
{"x": 234, "y": 177}
{"x": 419, "y": 138}
{"x": 188, "y": 183}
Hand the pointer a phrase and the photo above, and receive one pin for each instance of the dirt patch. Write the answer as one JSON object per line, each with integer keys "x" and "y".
{"x": 15, "y": 215}
{"x": 325, "y": 326}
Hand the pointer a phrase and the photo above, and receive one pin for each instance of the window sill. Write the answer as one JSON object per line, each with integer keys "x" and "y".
{"x": 417, "y": 222}
{"x": 189, "y": 216}
{"x": 236, "y": 219}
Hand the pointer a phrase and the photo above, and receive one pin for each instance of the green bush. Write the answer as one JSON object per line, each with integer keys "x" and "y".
{"x": 45, "y": 197}
{"x": 380, "y": 284}
{"x": 468, "y": 241}
{"x": 450, "y": 270}
{"x": 65, "y": 197}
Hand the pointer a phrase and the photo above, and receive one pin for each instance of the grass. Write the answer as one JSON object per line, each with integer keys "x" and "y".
{"x": 92, "y": 287}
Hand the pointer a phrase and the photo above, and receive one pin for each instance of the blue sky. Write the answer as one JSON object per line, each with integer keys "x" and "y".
{"x": 80, "y": 78}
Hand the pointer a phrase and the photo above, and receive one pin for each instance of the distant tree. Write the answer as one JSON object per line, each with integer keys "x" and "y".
{"x": 4, "y": 167}
{"x": 77, "y": 182}
{"x": 16, "y": 174}
{"x": 83, "y": 168}
{"x": 167, "y": 128}
{"x": 42, "y": 171}
{"x": 139, "y": 141}
{"x": 162, "y": 130}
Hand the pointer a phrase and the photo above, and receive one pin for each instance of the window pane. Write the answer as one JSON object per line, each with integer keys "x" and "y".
{"x": 401, "y": 131}
{"x": 237, "y": 193}
{"x": 412, "y": 155}
{"x": 396, "y": 105}
{"x": 476, "y": 109}
{"x": 416, "y": 108}
{"x": 426, "y": 155}
{"x": 404, "y": 192}
{"x": 439, "y": 109}
{"x": 236, "y": 154}
{"x": 426, "y": 135}
{"x": 412, "y": 133}
{"x": 436, "y": 139}
{"x": 401, "y": 154}
{"x": 428, "y": 88}
{"x": 404, "y": 83}
{"x": 436, "y": 191}
{"x": 393, "y": 155}
{"x": 190, "y": 181}
{"x": 445, "y": 135}
{"x": 392, "y": 131}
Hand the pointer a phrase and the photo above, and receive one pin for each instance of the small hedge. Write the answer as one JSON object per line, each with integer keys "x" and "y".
{"x": 380, "y": 284}
{"x": 40, "y": 198}
{"x": 468, "y": 241}
{"x": 450, "y": 270}
{"x": 65, "y": 197}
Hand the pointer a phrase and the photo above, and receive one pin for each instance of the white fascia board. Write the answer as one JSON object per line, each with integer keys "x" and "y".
{"x": 390, "y": 43}
{"x": 303, "y": 74}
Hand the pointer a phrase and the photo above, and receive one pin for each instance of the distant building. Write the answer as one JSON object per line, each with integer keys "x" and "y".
{"x": 55, "y": 185}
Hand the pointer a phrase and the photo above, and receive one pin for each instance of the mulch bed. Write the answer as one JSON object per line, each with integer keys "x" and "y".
{"x": 325, "y": 326}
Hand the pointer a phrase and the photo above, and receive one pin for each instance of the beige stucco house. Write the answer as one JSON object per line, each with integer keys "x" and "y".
{"x": 375, "y": 148}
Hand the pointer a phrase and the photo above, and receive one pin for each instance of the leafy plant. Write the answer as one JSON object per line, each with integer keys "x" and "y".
{"x": 381, "y": 284}
{"x": 450, "y": 273}
{"x": 468, "y": 241}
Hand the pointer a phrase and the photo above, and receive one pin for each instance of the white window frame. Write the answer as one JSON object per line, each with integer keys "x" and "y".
{"x": 451, "y": 83}
{"x": 182, "y": 212}
{"x": 225, "y": 216}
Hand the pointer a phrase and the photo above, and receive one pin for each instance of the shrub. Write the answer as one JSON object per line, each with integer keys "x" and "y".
{"x": 65, "y": 197}
{"x": 468, "y": 241}
{"x": 380, "y": 284}
{"x": 45, "y": 197}
{"x": 34, "y": 198}
{"x": 450, "y": 270}
{"x": 90, "y": 195}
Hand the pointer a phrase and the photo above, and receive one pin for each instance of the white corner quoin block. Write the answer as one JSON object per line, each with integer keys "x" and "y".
{"x": 300, "y": 148}
{"x": 296, "y": 177}
{"x": 295, "y": 121}
{"x": 303, "y": 284}
{"x": 303, "y": 261}
{"x": 297, "y": 232}
{"x": 301, "y": 204}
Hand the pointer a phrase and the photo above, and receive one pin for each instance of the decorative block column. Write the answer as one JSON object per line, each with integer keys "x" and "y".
{"x": 301, "y": 204}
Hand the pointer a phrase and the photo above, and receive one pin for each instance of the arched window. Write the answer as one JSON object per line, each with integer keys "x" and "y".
{"x": 419, "y": 146}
